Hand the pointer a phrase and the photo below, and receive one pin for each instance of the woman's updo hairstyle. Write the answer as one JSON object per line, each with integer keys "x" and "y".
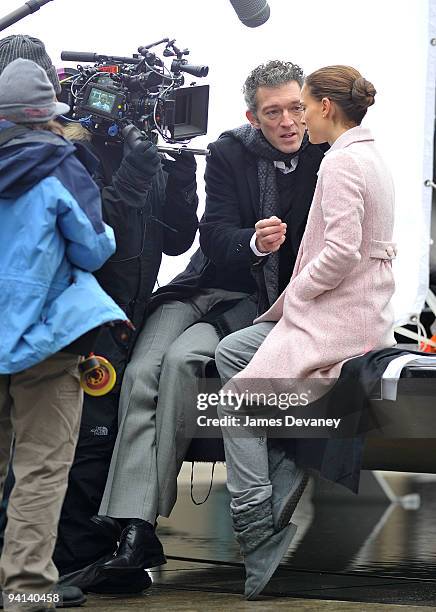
{"x": 346, "y": 87}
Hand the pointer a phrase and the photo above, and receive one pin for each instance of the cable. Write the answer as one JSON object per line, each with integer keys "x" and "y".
{"x": 72, "y": 76}
{"x": 422, "y": 336}
{"x": 82, "y": 120}
{"x": 199, "y": 503}
{"x": 91, "y": 78}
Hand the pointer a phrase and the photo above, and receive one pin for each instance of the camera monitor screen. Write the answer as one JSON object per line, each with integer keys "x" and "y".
{"x": 101, "y": 100}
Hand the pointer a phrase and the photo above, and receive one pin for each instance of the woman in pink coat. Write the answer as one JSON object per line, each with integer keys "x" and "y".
{"x": 336, "y": 306}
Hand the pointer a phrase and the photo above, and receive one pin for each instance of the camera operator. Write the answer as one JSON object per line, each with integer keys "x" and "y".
{"x": 151, "y": 205}
{"x": 152, "y": 210}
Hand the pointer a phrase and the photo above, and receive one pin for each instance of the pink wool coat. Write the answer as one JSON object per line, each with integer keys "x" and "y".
{"x": 338, "y": 302}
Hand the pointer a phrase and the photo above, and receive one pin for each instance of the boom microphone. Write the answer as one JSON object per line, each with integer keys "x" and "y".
{"x": 252, "y": 13}
{"x": 29, "y": 7}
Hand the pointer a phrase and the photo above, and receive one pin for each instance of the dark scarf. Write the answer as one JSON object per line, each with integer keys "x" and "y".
{"x": 256, "y": 143}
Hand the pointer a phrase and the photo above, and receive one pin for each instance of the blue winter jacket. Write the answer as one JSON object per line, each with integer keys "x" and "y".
{"x": 51, "y": 238}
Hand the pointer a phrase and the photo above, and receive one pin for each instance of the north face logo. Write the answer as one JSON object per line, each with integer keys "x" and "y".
{"x": 100, "y": 431}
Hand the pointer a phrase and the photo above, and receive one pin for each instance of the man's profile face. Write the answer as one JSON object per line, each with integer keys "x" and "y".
{"x": 279, "y": 115}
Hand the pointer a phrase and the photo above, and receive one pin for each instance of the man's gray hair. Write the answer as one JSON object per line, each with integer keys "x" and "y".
{"x": 272, "y": 74}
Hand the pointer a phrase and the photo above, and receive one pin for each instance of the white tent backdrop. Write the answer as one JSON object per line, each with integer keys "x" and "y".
{"x": 388, "y": 41}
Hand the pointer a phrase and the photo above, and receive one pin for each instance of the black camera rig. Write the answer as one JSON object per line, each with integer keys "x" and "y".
{"x": 139, "y": 90}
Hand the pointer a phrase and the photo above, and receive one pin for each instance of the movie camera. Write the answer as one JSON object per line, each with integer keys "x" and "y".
{"x": 140, "y": 90}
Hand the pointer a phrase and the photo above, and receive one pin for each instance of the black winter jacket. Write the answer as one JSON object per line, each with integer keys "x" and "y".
{"x": 226, "y": 260}
{"x": 147, "y": 221}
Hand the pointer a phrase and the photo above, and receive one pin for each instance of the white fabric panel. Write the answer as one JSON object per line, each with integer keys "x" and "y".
{"x": 388, "y": 41}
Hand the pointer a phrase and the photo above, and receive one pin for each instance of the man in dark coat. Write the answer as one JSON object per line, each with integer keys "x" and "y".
{"x": 260, "y": 180}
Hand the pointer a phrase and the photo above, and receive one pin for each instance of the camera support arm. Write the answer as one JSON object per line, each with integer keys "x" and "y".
{"x": 179, "y": 150}
{"x": 29, "y": 7}
{"x": 132, "y": 135}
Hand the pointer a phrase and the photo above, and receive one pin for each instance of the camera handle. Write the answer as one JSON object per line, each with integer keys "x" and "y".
{"x": 132, "y": 134}
{"x": 179, "y": 150}
{"x": 29, "y": 7}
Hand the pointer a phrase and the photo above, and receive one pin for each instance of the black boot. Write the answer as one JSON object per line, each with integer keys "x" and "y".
{"x": 70, "y": 596}
{"x": 91, "y": 579}
{"x": 131, "y": 582}
{"x": 139, "y": 548}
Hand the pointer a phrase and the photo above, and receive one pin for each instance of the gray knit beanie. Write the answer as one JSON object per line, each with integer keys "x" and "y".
{"x": 28, "y": 47}
{"x": 26, "y": 94}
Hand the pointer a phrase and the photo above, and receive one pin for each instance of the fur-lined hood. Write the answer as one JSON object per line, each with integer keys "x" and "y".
{"x": 76, "y": 131}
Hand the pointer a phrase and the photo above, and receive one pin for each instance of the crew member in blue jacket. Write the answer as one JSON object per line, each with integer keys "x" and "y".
{"x": 150, "y": 203}
{"x": 51, "y": 238}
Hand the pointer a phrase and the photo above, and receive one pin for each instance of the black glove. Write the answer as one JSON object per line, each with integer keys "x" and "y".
{"x": 140, "y": 152}
{"x": 132, "y": 136}
{"x": 145, "y": 158}
{"x": 133, "y": 179}
{"x": 182, "y": 169}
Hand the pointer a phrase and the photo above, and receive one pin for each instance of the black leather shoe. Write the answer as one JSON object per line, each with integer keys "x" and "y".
{"x": 108, "y": 525}
{"x": 139, "y": 548}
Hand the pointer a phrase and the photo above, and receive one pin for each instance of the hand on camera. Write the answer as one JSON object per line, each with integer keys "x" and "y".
{"x": 182, "y": 168}
{"x": 132, "y": 136}
{"x": 145, "y": 158}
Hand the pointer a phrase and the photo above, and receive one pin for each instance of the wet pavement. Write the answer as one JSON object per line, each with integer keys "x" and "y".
{"x": 350, "y": 552}
{"x": 347, "y": 547}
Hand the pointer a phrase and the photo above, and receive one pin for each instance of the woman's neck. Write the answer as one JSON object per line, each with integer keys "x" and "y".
{"x": 337, "y": 130}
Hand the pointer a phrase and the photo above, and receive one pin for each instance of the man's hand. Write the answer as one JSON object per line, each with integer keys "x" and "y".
{"x": 270, "y": 234}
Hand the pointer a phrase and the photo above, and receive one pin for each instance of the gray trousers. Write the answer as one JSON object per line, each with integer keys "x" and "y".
{"x": 248, "y": 479}
{"x": 157, "y": 412}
